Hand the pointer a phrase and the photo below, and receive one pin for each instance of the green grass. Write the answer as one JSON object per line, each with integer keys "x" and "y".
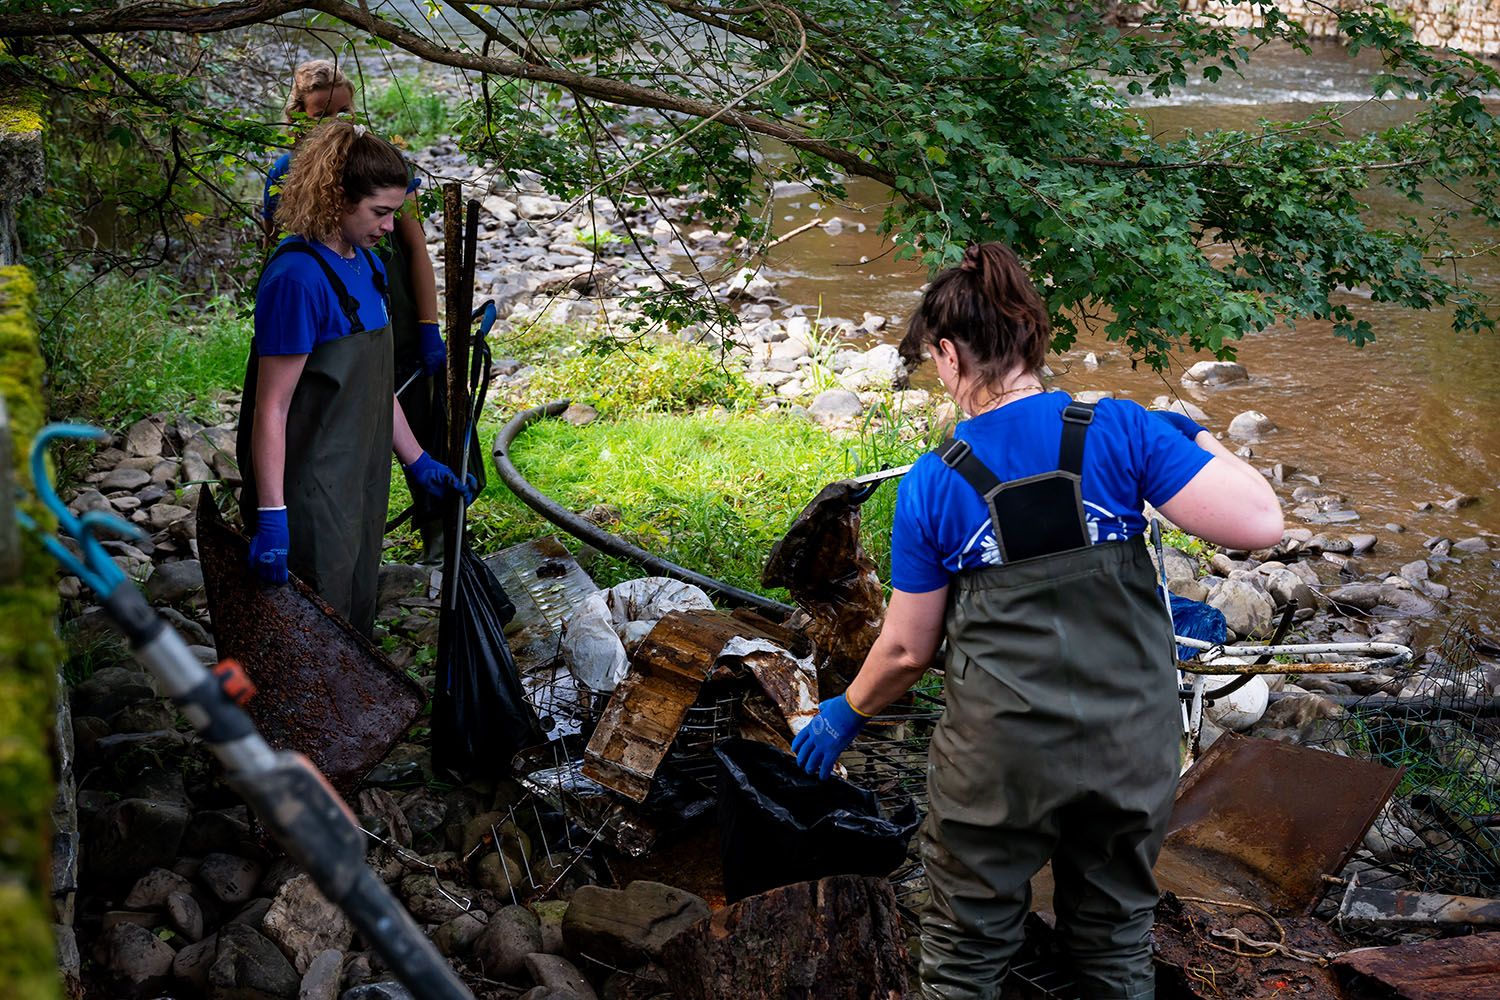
{"x": 712, "y": 491}
{"x": 641, "y": 377}
{"x": 409, "y": 109}
{"x": 118, "y": 349}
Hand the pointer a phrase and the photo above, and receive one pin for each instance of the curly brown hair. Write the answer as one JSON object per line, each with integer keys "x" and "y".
{"x": 311, "y": 77}
{"x": 336, "y": 165}
{"x": 988, "y": 306}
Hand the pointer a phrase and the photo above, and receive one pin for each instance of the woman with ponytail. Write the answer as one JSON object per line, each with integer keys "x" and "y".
{"x": 1020, "y": 539}
{"x": 320, "y": 418}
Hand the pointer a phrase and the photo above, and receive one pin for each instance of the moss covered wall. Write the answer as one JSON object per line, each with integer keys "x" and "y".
{"x": 21, "y": 166}
{"x": 29, "y": 658}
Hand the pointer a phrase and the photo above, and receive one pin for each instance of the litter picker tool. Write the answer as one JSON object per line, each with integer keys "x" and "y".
{"x": 305, "y": 816}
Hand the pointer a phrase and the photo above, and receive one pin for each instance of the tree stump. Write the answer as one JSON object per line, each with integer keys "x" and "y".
{"x": 839, "y": 938}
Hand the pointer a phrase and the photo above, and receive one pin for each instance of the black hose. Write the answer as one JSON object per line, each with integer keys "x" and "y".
{"x": 603, "y": 540}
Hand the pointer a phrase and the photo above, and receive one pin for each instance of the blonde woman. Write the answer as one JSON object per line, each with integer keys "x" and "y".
{"x": 319, "y": 417}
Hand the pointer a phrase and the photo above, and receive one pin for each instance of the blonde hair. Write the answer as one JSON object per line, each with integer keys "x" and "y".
{"x": 337, "y": 164}
{"x": 311, "y": 77}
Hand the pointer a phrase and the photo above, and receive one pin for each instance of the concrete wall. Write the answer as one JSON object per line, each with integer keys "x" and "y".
{"x": 1471, "y": 25}
{"x": 29, "y": 649}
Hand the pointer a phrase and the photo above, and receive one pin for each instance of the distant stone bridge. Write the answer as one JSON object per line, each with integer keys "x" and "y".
{"x": 1471, "y": 25}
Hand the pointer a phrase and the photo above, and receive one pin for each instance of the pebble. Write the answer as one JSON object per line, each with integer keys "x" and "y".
{"x": 231, "y": 879}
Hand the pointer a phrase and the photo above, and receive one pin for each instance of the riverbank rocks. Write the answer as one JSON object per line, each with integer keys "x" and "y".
{"x": 1179, "y": 406}
{"x": 1252, "y": 426}
{"x": 1215, "y": 373}
{"x": 502, "y": 945}
{"x": 139, "y": 960}
{"x": 247, "y": 966}
{"x": 1381, "y": 600}
{"x": 835, "y": 406}
{"x": 1246, "y": 608}
{"x": 321, "y": 980}
{"x": 629, "y": 926}
{"x": 303, "y": 923}
{"x": 557, "y": 973}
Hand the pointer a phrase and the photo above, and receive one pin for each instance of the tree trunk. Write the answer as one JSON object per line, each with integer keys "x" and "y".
{"x": 839, "y": 938}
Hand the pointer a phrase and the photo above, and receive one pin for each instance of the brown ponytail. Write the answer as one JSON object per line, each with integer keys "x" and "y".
{"x": 335, "y": 165}
{"x": 988, "y": 306}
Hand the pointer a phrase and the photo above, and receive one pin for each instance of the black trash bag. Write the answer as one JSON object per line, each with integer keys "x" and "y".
{"x": 480, "y": 716}
{"x": 779, "y": 825}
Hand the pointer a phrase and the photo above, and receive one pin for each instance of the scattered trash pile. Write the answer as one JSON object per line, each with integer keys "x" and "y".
{"x": 655, "y": 842}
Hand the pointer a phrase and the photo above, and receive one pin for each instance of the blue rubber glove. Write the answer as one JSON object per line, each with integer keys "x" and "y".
{"x": 437, "y": 480}
{"x": 1184, "y": 424}
{"x": 268, "y": 548}
{"x": 829, "y": 733}
{"x": 434, "y": 354}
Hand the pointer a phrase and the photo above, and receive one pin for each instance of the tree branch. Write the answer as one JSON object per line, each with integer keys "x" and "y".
{"x": 153, "y": 15}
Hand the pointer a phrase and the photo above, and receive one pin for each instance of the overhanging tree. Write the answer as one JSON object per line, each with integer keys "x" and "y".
{"x": 988, "y": 120}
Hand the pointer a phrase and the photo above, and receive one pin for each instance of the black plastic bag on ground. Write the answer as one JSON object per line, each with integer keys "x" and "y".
{"x": 780, "y": 825}
{"x": 480, "y": 716}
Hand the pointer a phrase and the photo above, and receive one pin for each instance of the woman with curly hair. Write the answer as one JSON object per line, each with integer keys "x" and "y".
{"x": 321, "y": 90}
{"x": 319, "y": 416}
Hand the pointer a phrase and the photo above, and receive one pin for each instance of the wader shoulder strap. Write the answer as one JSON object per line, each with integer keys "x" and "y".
{"x": 958, "y": 456}
{"x": 1076, "y": 420}
{"x": 376, "y": 276}
{"x": 348, "y": 304}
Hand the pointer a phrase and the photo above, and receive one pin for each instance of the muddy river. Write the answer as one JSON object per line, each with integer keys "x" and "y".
{"x": 1410, "y": 419}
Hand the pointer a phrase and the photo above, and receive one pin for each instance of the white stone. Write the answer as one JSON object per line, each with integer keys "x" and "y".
{"x": 1215, "y": 373}
{"x": 530, "y": 206}
{"x": 1251, "y": 426}
{"x": 833, "y": 405}
{"x": 1180, "y": 406}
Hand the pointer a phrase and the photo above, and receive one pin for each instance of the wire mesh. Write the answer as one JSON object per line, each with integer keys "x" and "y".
{"x": 1441, "y": 830}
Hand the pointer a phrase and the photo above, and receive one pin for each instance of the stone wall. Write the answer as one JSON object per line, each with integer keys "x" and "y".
{"x": 1471, "y": 25}
{"x": 29, "y": 649}
{"x": 20, "y": 163}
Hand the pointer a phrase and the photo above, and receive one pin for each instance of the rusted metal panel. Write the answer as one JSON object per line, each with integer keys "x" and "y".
{"x": 545, "y": 583}
{"x": 823, "y": 563}
{"x": 1262, "y": 822}
{"x": 1465, "y": 968}
{"x": 647, "y": 708}
{"x": 1368, "y": 906}
{"x": 321, "y": 687}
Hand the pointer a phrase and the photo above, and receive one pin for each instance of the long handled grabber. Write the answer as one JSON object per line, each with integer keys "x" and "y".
{"x": 288, "y": 794}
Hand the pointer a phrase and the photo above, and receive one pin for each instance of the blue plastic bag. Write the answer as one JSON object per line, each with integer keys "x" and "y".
{"x": 1196, "y": 620}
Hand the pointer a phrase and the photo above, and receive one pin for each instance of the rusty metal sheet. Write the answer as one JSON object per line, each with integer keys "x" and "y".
{"x": 1368, "y": 906}
{"x": 1263, "y": 821}
{"x": 647, "y": 708}
{"x": 822, "y": 562}
{"x": 545, "y": 583}
{"x": 321, "y": 687}
{"x": 1465, "y": 968}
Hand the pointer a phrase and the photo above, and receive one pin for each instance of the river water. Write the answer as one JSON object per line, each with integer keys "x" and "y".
{"x": 1412, "y": 418}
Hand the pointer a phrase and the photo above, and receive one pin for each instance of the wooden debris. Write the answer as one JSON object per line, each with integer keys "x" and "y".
{"x": 839, "y": 938}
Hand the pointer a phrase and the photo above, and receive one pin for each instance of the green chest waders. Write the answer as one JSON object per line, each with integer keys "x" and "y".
{"x": 1059, "y": 742}
{"x": 337, "y": 478}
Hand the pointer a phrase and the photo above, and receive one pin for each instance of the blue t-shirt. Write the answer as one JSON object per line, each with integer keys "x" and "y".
{"x": 272, "y": 194}
{"x": 296, "y": 309}
{"x": 942, "y": 525}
